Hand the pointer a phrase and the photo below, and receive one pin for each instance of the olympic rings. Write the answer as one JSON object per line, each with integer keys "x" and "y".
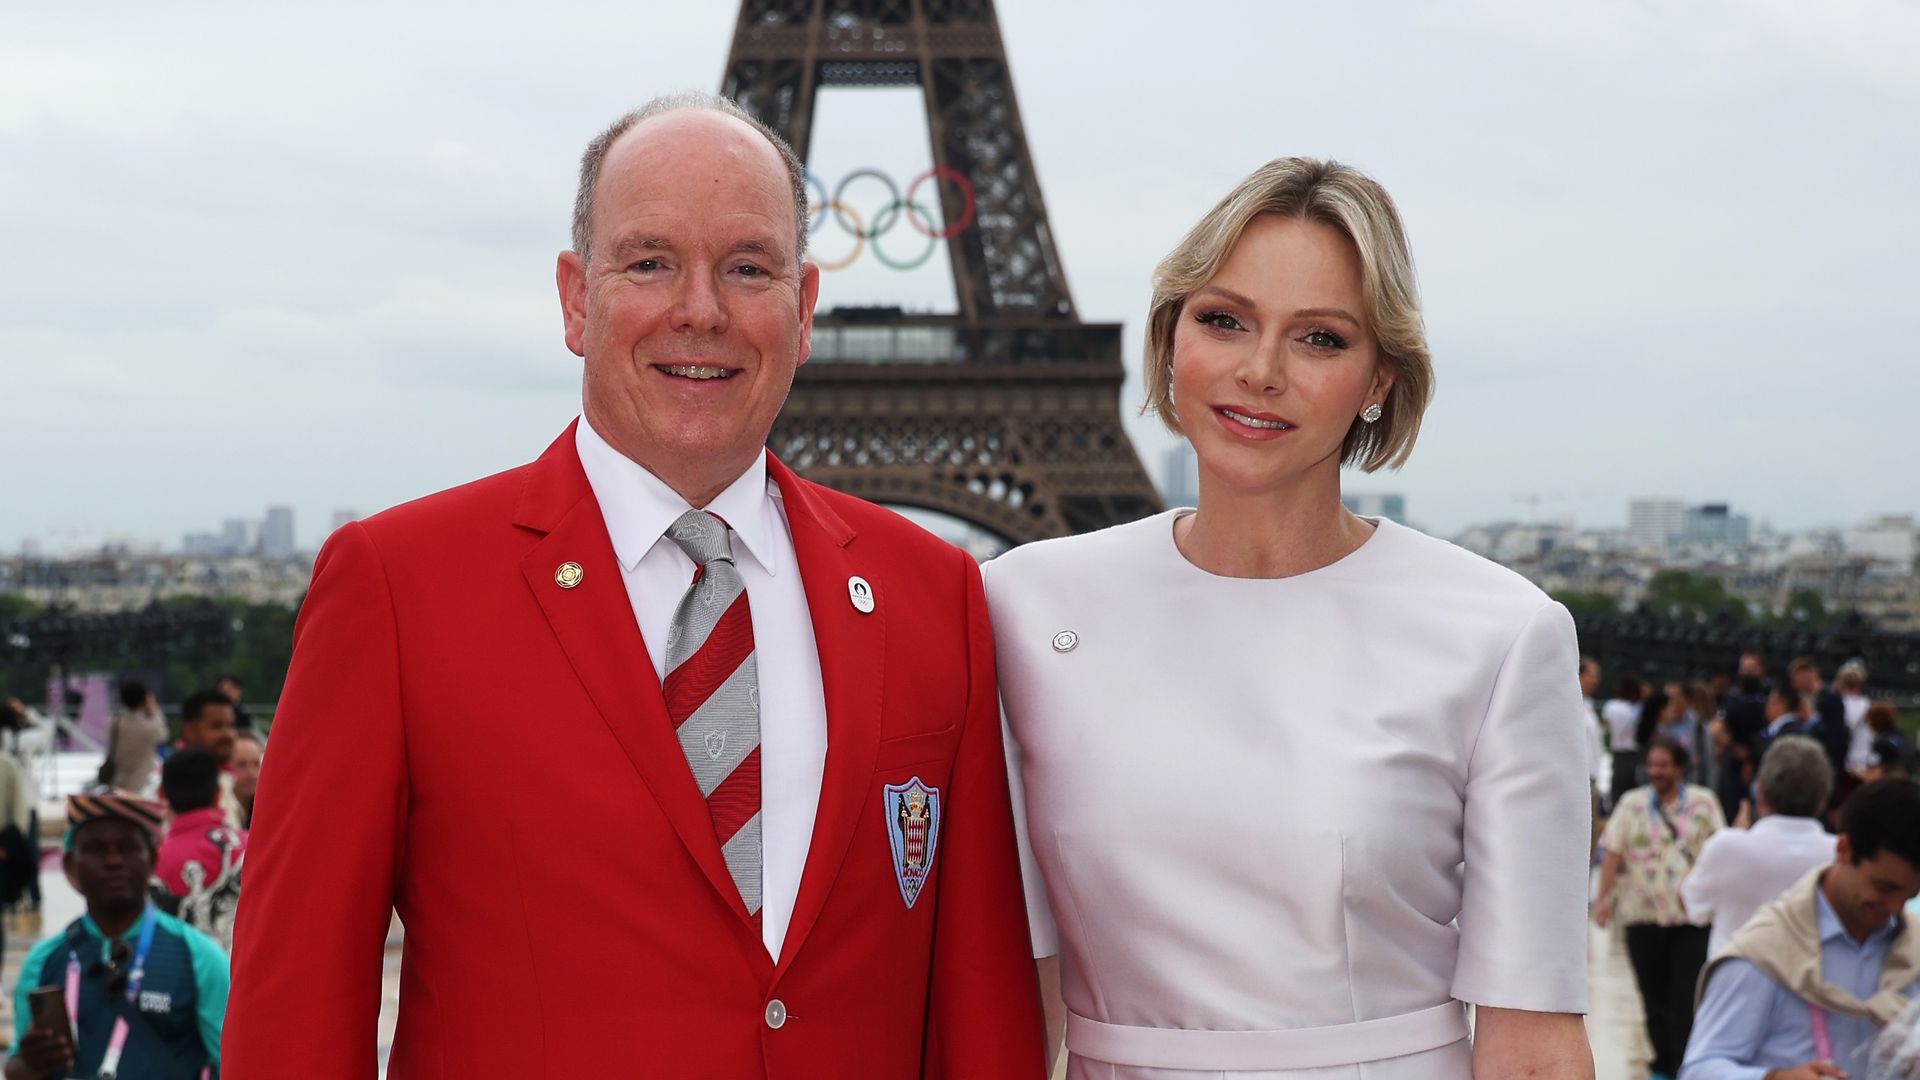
{"x": 859, "y": 237}
{"x": 822, "y": 205}
{"x": 895, "y": 208}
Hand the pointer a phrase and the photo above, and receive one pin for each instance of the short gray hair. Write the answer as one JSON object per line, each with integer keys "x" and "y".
{"x": 1796, "y": 777}
{"x": 698, "y": 100}
{"x": 1354, "y": 203}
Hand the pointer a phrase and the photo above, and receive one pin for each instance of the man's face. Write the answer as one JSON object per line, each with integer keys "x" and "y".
{"x": 212, "y": 732}
{"x": 246, "y": 770}
{"x": 1750, "y": 665}
{"x": 1662, "y": 772}
{"x": 1806, "y": 680}
{"x": 1865, "y": 894}
{"x": 695, "y": 311}
{"x": 1776, "y": 706}
{"x": 110, "y": 863}
{"x": 1589, "y": 679}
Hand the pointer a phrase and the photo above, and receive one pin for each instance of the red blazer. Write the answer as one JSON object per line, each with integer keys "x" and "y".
{"x": 464, "y": 740}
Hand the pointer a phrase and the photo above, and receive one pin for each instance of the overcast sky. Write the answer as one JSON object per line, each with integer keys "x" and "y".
{"x": 254, "y": 254}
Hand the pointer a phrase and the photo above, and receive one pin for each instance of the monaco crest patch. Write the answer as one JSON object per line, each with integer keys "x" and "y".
{"x": 913, "y": 831}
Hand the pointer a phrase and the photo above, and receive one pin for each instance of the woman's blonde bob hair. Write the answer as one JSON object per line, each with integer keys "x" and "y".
{"x": 1354, "y": 203}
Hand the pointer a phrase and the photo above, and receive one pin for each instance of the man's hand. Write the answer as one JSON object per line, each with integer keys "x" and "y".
{"x": 43, "y": 1051}
{"x": 1602, "y": 911}
{"x": 1812, "y": 1070}
{"x": 1744, "y": 819}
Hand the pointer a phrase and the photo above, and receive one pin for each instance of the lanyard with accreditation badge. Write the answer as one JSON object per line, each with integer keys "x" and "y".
{"x": 117, "y": 1041}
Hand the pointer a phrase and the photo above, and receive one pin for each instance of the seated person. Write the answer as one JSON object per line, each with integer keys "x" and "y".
{"x": 146, "y": 993}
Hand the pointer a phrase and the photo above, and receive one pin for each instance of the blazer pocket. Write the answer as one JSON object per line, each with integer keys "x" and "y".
{"x": 917, "y": 748}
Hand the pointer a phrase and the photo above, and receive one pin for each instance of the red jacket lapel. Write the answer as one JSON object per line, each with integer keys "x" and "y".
{"x": 593, "y": 621}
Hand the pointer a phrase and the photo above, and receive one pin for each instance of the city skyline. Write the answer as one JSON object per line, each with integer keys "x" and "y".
{"x": 344, "y": 287}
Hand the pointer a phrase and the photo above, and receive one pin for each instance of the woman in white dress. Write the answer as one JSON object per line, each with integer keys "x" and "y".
{"x": 1295, "y": 784}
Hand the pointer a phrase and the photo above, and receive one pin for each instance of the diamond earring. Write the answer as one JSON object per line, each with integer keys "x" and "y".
{"x": 1370, "y": 413}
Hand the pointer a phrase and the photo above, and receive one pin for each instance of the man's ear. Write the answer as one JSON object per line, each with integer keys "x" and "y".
{"x": 809, "y": 293}
{"x": 570, "y": 277}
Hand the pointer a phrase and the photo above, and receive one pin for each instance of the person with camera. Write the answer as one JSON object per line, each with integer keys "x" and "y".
{"x": 125, "y": 990}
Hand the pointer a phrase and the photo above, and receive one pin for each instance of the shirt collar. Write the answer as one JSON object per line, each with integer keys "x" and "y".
{"x": 639, "y": 507}
{"x": 196, "y": 819}
{"x": 93, "y": 928}
{"x": 1789, "y": 824}
{"x": 1831, "y": 928}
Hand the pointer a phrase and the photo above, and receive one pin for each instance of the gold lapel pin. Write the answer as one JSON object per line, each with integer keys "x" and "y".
{"x": 568, "y": 575}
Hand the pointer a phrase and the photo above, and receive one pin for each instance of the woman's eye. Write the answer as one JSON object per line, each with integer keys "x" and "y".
{"x": 1219, "y": 320}
{"x": 1325, "y": 339}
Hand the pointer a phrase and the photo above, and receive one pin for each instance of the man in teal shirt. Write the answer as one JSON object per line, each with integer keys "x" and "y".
{"x": 146, "y": 992}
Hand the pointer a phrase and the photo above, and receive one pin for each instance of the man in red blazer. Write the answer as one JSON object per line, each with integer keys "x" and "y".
{"x": 475, "y": 732}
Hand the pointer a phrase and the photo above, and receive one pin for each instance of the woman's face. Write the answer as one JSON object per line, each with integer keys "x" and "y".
{"x": 1273, "y": 359}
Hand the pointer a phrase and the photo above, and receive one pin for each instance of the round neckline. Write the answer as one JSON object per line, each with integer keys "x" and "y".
{"x": 1380, "y": 525}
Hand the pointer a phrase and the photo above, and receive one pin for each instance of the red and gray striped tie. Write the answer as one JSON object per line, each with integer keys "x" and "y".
{"x": 713, "y": 696}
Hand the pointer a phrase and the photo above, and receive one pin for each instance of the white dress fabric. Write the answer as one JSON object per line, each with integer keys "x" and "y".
{"x": 1275, "y": 804}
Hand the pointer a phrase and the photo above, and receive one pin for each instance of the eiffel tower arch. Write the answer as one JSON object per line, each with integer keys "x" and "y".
{"x": 1007, "y": 414}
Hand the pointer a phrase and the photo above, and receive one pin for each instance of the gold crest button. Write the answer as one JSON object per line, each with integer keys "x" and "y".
{"x": 568, "y": 575}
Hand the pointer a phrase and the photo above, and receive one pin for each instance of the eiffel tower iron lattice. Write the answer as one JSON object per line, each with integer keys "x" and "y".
{"x": 1006, "y": 414}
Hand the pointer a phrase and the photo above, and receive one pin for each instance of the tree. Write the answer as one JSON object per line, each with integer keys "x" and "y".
{"x": 1587, "y": 602}
{"x": 1679, "y": 594}
{"x": 1805, "y": 607}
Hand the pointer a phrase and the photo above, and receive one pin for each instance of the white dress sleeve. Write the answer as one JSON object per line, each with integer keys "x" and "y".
{"x": 1523, "y": 907}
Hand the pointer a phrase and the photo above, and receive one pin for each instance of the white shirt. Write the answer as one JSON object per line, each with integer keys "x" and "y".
{"x": 1623, "y": 722}
{"x": 1596, "y": 743}
{"x": 1742, "y": 870}
{"x": 638, "y": 508}
{"x": 1860, "y": 748}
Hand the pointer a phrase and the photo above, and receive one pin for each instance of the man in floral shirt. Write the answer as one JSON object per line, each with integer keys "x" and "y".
{"x": 1651, "y": 843}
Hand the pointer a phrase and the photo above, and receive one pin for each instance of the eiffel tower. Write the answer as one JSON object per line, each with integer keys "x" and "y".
{"x": 1007, "y": 414}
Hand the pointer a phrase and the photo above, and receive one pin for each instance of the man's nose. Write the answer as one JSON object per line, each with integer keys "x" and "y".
{"x": 699, "y": 307}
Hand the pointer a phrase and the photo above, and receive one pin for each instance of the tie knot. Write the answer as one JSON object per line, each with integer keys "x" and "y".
{"x": 702, "y": 536}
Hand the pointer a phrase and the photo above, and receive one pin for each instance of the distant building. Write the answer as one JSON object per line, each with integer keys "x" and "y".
{"x": 1890, "y": 540}
{"x": 276, "y": 536}
{"x": 1180, "y": 478}
{"x": 238, "y": 536}
{"x": 1370, "y": 504}
{"x": 1652, "y": 524}
{"x": 1715, "y": 524}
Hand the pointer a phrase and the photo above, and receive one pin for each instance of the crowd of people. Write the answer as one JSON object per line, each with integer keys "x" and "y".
{"x": 155, "y": 849}
{"x": 1766, "y": 835}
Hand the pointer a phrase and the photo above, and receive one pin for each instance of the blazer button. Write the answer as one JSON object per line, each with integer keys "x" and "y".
{"x": 776, "y": 1014}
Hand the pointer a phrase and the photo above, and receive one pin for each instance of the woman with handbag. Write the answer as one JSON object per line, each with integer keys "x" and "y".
{"x": 1651, "y": 843}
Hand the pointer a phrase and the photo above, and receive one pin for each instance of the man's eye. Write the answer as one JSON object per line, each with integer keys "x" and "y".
{"x": 1219, "y": 320}
{"x": 646, "y": 266}
{"x": 1325, "y": 339}
{"x": 749, "y": 270}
